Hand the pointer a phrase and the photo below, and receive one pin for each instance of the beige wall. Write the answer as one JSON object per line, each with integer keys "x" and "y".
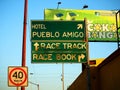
{"x": 109, "y": 75}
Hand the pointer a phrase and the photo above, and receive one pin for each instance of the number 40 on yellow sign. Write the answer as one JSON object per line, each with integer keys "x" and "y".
{"x": 17, "y": 76}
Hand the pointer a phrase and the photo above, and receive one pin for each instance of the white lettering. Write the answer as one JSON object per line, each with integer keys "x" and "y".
{"x": 74, "y": 45}
{"x": 73, "y": 34}
{"x": 39, "y": 26}
{"x": 66, "y": 57}
{"x": 46, "y": 34}
{"x": 49, "y": 45}
{"x": 42, "y": 56}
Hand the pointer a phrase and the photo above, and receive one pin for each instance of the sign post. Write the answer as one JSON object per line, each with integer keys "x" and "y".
{"x": 58, "y": 42}
{"x": 17, "y": 76}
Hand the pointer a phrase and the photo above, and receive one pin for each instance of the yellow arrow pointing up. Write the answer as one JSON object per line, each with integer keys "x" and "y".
{"x": 36, "y": 46}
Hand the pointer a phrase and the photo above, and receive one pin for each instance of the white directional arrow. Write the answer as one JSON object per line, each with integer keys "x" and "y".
{"x": 36, "y": 46}
{"x": 80, "y": 26}
{"x": 82, "y": 56}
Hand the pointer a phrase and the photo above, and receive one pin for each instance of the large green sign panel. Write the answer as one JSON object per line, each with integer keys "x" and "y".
{"x": 57, "y": 30}
{"x": 101, "y": 24}
{"x": 58, "y": 41}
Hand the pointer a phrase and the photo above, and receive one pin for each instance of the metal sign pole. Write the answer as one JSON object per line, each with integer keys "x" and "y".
{"x": 87, "y": 65}
{"x": 17, "y": 88}
{"x": 62, "y": 76}
{"x": 38, "y": 87}
{"x": 117, "y": 27}
{"x": 88, "y": 77}
{"x": 24, "y": 37}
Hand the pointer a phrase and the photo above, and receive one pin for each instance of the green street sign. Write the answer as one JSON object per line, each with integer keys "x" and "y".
{"x": 57, "y": 30}
{"x": 58, "y": 42}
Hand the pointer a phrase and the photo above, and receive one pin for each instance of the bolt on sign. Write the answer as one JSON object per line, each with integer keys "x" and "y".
{"x": 17, "y": 76}
{"x": 58, "y": 41}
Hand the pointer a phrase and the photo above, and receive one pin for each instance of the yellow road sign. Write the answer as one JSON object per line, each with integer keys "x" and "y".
{"x": 17, "y": 76}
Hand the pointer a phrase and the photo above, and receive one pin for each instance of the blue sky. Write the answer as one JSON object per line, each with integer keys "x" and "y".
{"x": 11, "y": 30}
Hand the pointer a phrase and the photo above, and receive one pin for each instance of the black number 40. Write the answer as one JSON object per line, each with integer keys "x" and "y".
{"x": 18, "y": 75}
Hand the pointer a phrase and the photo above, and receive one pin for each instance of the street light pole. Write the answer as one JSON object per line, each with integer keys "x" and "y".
{"x": 85, "y": 6}
{"x": 38, "y": 87}
{"x": 35, "y": 84}
{"x": 58, "y": 4}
